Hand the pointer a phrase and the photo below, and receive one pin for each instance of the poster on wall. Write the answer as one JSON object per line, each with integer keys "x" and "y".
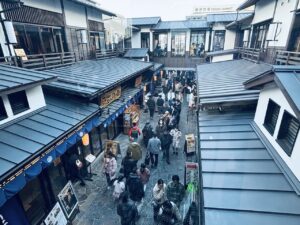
{"x": 68, "y": 199}
{"x": 56, "y": 216}
{"x": 190, "y": 143}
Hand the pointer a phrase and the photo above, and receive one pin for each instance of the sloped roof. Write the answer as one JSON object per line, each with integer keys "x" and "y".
{"x": 226, "y": 17}
{"x": 94, "y": 4}
{"x": 136, "y": 53}
{"x": 244, "y": 21}
{"x": 15, "y": 78}
{"x": 91, "y": 77}
{"x": 143, "y": 21}
{"x": 247, "y": 4}
{"x": 181, "y": 25}
{"x": 242, "y": 184}
{"x": 222, "y": 82}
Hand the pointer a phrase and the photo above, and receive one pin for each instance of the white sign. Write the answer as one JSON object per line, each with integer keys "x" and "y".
{"x": 56, "y": 216}
{"x": 68, "y": 199}
{"x": 90, "y": 158}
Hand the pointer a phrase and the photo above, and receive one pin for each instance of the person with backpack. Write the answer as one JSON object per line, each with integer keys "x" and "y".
{"x": 127, "y": 210}
{"x": 169, "y": 214}
{"x": 151, "y": 106}
{"x": 134, "y": 132}
{"x": 135, "y": 188}
{"x": 147, "y": 132}
{"x": 166, "y": 141}
{"x": 128, "y": 164}
{"x": 160, "y": 105}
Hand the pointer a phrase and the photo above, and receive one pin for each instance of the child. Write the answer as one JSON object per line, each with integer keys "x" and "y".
{"x": 119, "y": 185}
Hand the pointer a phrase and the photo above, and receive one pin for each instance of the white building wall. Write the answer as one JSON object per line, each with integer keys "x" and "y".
{"x": 49, "y": 5}
{"x": 36, "y": 100}
{"x": 229, "y": 39}
{"x": 221, "y": 58}
{"x": 169, "y": 41}
{"x": 75, "y": 14}
{"x": 207, "y": 40}
{"x": 94, "y": 14}
{"x": 284, "y": 16}
{"x": 136, "y": 40}
{"x": 264, "y": 10}
{"x": 151, "y": 41}
{"x": 187, "y": 41}
{"x": 219, "y": 26}
{"x": 276, "y": 95}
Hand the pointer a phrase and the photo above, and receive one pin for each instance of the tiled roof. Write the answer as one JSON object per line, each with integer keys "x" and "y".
{"x": 226, "y": 17}
{"x": 136, "y": 53}
{"x": 184, "y": 24}
{"x": 88, "y": 78}
{"x": 15, "y": 77}
{"x": 242, "y": 184}
{"x": 142, "y": 21}
{"x": 223, "y": 81}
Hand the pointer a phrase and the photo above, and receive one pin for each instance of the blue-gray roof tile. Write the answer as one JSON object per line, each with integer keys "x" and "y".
{"x": 136, "y": 53}
{"x": 226, "y": 17}
{"x": 143, "y": 21}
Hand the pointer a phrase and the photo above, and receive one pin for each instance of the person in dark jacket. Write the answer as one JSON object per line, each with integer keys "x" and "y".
{"x": 128, "y": 164}
{"x": 74, "y": 170}
{"x": 151, "y": 106}
{"x": 160, "y": 105}
{"x": 160, "y": 128}
{"x": 135, "y": 188}
{"x": 175, "y": 190}
{"x": 147, "y": 132}
{"x": 127, "y": 210}
{"x": 166, "y": 141}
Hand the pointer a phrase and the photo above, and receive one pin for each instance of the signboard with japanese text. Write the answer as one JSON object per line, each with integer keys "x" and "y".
{"x": 68, "y": 199}
{"x": 21, "y": 53}
{"x": 56, "y": 216}
{"x": 110, "y": 96}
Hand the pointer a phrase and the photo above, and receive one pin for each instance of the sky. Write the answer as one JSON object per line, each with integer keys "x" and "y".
{"x": 166, "y": 9}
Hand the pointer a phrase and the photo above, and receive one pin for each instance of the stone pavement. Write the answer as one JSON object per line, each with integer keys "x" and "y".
{"x": 96, "y": 203}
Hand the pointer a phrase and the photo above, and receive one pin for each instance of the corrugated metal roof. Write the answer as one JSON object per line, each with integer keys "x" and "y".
{"x": 88, "y": 78}
{"x": 223, "y": 82}
{"x": 14, "y": 77}
{"x": 181, "y": 25}
{"x": 241, "y": 182}
{"x": 226, "y": 17}
{"x": 245, "y": 21}
{"x": 136, "y": 53}
{"x": 142, "y": 21}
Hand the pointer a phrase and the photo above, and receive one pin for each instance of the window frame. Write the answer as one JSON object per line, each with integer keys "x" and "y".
{"x": 24, "y": 97}
{"x": 156, "y": 37}
{"x": 214, "y": 39}
{"x": 272, "y": 105}
{"x": 3, "y": 113}
{"x": 173, "y": 39}
{"x": 197, "y": 32}
{"x": 283, "y": 132}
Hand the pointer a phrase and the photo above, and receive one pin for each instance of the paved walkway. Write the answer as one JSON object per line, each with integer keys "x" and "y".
{"x": 95, "y": 201}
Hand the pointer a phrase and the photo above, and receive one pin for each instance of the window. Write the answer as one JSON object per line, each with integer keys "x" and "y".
{"x": 145, "y": 37}
{"x": 197, "y": 43}
{"x": 288, "y": 132}
{"x": 178, "y": 44}
{"x": 259, "y": 36}
{"x": 160, "y": 44}
{"x": 271, "y": 116}
{"x": 219, "y": 39}
{"x": 3, "y": 114}
{"x": 18, "y": 102}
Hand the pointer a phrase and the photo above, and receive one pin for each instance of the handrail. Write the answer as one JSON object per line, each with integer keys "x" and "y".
{"x": 9, "y": 60}
{"x": 287, "y": 58}
{"x": 252, "y": 54}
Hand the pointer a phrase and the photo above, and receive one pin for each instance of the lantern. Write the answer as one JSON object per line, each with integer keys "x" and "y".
{"x": 86, "y": 140}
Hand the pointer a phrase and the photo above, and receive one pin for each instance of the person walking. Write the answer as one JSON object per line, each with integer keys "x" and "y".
{"x": 176, "y": 134}
{"x": 147, "y": 132}
{"x": 127, "y": 210}
{"x": 128, "y": 164}
{"x": 169, "y": 214}
{"x": 119, "y": 185}
{"x": 154, "y": 146}
{"x": 160, "y": 128}
{"x": 144, "y": 173}
{"x": 160, "y": 105}
{"x": 136, "y": 189}
{"x": 166, "y": 141}
{"x": 109, "y": 168}
{"x": 134, "y": 132}
{"x": 175, "y": 190}
{"x": 159, "y": 197}
{"x": 151, "y": 106}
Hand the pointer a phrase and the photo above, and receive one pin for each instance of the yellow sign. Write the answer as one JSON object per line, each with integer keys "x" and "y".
{"x": 21, "y": 53}
{"x": 110, "y": 96}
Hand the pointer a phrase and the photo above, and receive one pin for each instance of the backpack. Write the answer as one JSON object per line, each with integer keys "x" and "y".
{"x": 134, "y": 133}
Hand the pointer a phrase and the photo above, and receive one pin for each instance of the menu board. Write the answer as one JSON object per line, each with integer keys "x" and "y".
{"x": 68, "y": 199}
{"x": 190, "y": 143}
{"x": 56, "y": 216}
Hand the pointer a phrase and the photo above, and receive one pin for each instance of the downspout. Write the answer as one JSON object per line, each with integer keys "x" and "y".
{"x": 293, "y": 22}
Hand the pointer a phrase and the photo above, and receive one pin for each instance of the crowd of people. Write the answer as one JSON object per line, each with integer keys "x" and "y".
{"x": 131, "y": 184}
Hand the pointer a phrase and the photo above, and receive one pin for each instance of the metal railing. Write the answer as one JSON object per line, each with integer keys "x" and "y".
{"x": 287, "y": 58}
{"x": 100, "y": 54}
{"x": 252, "y": 54}
{"x": 9, "y": 60}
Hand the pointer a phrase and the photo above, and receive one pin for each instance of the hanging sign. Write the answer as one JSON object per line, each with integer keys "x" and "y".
{"x": 56, "y": 216}
{"x": 138, "y": 81}
{"x": 21, "y": 53}
{"x": 110, "y": 96}
{"x": 68, "y": 200}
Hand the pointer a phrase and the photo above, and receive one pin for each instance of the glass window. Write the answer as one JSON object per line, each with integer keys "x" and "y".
{"x": 178, "y": 44}
{"x": 3, "y": 114}
{"x": 33, "y": 40}
{"x": 102, "y": 41}
{"x": 145, "y": 38}
{"x": 18, "y": 102}
{"x": 219, "y": 39}
{"x": 57, "y": 176}
{"x": 271, "y": 116}
{"x": 111, "y": 131}
{"x": 21, "y": 38}
{"x": 160, "y": 44}
{"x": 33, "y": 201}
{"x": 259, "y": 36}
{"x": 95, "y": 137}
{"x": 197, "y": 43}
{"x": 48, "y": 40}
{"x": 288, "y": 132}
{"x": 103, "y": 135}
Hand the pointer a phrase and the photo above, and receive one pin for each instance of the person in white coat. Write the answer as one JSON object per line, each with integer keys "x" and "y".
{"x": 176, "y": 134}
